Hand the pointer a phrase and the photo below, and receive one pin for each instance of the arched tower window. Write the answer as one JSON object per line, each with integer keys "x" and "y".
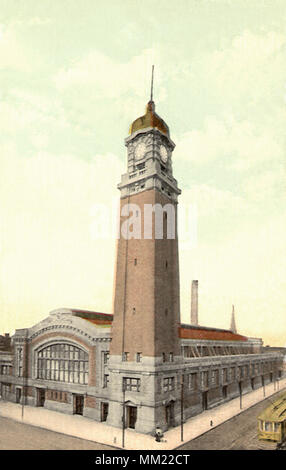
{"x": 62, "y": 362}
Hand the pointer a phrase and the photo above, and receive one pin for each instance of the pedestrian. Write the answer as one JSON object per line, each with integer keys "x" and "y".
{"x": 158, "y": 434}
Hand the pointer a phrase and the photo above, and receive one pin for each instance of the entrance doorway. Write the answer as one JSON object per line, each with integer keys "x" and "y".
{"x": 205, "y": 400}
{"x": 78, "y": 404}
{"x": 224, "y": 392}
{"x": 41, "y": 396}
{"x": 131, "y": 416}
{"x": 170, "y": 414}
{"x": 18, "y": 395}
{"x": 104, "y": 411}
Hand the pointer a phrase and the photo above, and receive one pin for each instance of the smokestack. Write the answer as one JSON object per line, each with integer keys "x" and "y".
{"x": 194, "y": 303}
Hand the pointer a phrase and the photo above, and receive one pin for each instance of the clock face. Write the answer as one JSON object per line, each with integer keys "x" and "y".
{"x": 163, "y": 153}
{"x": 140, "y": 150}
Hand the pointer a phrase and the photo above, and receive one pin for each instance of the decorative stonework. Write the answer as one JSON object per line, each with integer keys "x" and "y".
{"x": 66, "y": 322}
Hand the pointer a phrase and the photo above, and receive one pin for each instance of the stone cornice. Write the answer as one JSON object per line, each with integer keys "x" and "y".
{"x": 69, "y": 328}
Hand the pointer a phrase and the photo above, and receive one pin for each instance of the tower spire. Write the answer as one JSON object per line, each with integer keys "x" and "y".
{"x": 152, "y": 83}
{"x": 233, "y": 325}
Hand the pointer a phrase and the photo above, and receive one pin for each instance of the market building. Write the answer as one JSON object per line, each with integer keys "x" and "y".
{"x": 140, "y": 364}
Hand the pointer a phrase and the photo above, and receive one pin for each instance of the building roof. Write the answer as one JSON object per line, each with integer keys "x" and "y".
{"x": 185, "y": 331}
{"x": 97, "y": 318}
{"x": 204, "y": 332}
{"x": 5, "y": 342}
{"x": 276, "y": 411}
{"x": 150, "y": 119}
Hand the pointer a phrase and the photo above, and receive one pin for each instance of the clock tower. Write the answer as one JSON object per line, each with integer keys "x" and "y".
{"x": 145, "y": 343}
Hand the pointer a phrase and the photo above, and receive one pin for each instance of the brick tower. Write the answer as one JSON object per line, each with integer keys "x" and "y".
{"x": 145, "y": 342}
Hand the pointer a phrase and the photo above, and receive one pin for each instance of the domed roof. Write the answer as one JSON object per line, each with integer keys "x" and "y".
{"x": 150, "y": 119}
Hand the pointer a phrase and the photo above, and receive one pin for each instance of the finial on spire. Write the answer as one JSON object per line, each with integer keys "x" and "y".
{"x": 152, "y": 83}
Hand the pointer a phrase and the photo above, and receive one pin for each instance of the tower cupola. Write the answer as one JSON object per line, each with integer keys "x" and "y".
{"x": 150, "y": 119}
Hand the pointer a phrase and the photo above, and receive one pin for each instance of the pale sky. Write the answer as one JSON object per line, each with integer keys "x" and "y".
{"x": 73, "y": 76}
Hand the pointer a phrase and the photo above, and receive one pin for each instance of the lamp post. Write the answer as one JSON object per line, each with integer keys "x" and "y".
{"x": 24, "y": 370}
{"x": 123, "y": 414}
{"x": 240, "y": 394}
{"x": 182, "y": 406}
{"x": 263, "y": 385}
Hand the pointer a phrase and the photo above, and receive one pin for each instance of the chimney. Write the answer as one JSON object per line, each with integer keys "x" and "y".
{"x": 194, "y": 303}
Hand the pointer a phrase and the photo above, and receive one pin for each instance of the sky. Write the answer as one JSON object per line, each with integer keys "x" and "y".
{"x": 73, "y": 77}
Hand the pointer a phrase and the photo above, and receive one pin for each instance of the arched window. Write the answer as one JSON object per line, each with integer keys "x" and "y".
{"x": 62, "y": 362}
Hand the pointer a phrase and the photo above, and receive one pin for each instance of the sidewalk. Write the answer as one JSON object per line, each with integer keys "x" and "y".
{"x": 85, "y": 428}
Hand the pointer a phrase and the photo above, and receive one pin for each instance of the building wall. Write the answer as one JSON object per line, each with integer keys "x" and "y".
{"x": 217, "y": 378}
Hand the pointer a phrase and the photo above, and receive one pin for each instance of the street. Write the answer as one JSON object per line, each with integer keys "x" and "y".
{"x": 239, "y": 433}
{"x": 18, "y": 436}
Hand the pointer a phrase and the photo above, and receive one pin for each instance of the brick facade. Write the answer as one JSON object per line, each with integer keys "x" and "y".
{"x": 145, "y": 286}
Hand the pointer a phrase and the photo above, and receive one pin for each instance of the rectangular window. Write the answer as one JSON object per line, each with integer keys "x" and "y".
{"x": 141, "y": 166}
{"x": 168, "y": 384}
{"x": 214, "y": 377}
{"x": 171, "y": 357}
{"x": 204, "y": 378}
{"x": 193, "y": 381}
{"x": 20, "y": 362}
{"x": 105, "y": 380}
{"x": 131, "y": 384}
{"x": 138, "y": 357}
{"x": 268, "y": 426}
{"x": 105, "y": 357}
{"x": 276, "y": 427}
{"x": 125, "y": 356}
{"x": 232, "y": 373}
{"x": 241, "y": 372}
{"x": 224, "y": 375}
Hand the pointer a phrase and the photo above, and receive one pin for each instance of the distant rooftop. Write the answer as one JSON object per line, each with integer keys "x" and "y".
{"x": 208, "y": 333}
{"x": 5, "y": 342}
